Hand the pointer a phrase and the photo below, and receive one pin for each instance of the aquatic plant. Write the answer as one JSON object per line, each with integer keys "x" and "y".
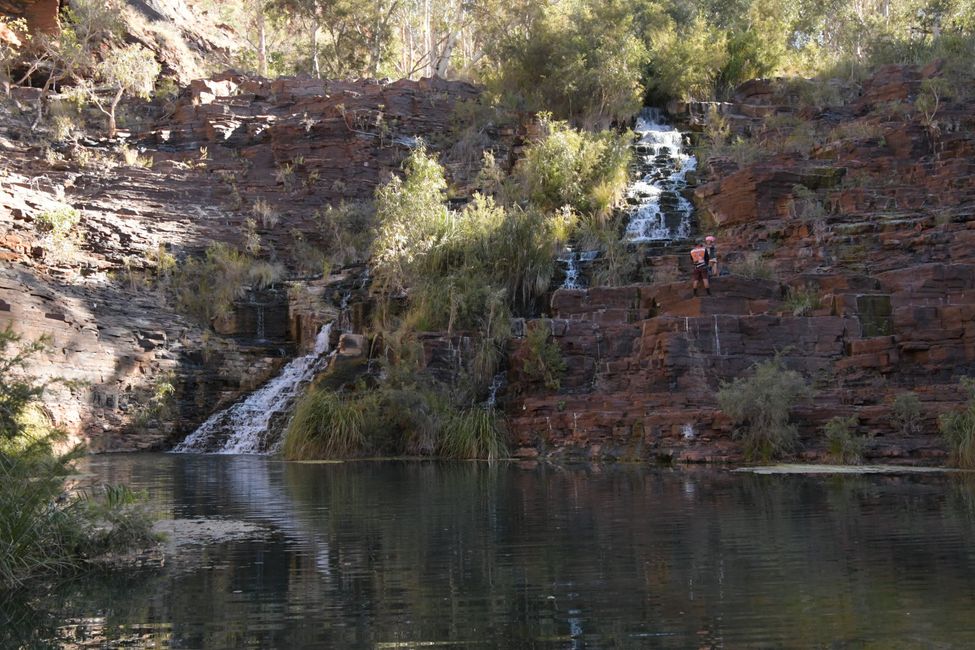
{"x": 760, "y": 404}
{"x": 958, "y": 429}
{"x": 474, "y": 432}
{"x": 325, "y": 425}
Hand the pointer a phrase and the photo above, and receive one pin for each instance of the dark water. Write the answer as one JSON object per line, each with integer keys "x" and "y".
{"x": 416, "y": 555}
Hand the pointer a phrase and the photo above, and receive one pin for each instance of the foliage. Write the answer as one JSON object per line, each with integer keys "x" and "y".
{"x": 906, "y": 413}
{"x": 801, "y": 301}
{"x": 415, "y": 417}
{"x": 586, "y": 172}
{"x": 59, "y": 222}
{"x": 324, "y": 425}
{"x": 475, "y": 432}
{"x": 129, "y": 70}
{"x": 842, "y": 443}
{"x": 581, "y": 60}
{"x": 46, "y": 529}
{"x": 754, "y": 267}
{"x": 348, "y": 230}
{"x": 207, "y": 287}
{"x": 958, "y": 429}
{"x": 759, "y": 405}
{"x": 543, "y": 358}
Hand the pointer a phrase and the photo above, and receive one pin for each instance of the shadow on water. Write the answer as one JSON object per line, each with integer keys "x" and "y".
{"x": 461, "y": 554}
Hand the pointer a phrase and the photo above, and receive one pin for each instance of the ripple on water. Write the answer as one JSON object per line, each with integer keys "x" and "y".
{"x": 457, "y": 554}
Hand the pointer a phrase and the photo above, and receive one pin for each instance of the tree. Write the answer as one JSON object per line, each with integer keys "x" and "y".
{"x": 128, "y": 70}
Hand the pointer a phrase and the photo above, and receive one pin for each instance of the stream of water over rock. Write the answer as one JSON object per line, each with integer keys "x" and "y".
{"x": 658, "y": 210}
{"x": 246, "y": 427}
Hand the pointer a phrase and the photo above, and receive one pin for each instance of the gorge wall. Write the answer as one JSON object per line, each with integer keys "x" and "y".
{"x": 868, "y": 206}
{"x": 115, "y": 333}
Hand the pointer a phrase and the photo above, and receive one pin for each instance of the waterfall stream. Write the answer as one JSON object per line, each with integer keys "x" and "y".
{"x": 660, "y": 212}
{"x": 246, "y": 426}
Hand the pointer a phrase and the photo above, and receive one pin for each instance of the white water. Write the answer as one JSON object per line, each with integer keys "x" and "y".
{"x": 660, "y": 151}
{"x": 571, "y": 260}
{"x": 243, "y": 428}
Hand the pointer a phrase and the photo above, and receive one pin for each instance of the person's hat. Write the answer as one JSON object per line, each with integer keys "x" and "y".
{"x": 709, "y": 239}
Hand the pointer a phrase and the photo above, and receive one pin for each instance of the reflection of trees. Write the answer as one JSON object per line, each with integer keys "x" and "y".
{"x": 370, "y": 552}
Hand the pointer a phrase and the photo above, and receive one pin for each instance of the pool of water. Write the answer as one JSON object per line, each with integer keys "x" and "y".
{"x": 417, "y": 555}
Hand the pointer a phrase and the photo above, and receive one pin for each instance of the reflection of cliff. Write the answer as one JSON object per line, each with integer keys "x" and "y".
{"x": 372, "y": 553}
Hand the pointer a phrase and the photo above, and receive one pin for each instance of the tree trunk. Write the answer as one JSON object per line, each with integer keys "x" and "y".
{"x": 261, "y": 41}
{"x": 314, "y": 50}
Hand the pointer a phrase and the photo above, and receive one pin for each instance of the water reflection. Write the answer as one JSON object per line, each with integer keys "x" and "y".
{"x": 367, "y": 555}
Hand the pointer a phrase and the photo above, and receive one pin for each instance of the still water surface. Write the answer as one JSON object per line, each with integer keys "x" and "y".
{"x": 409, "y": 555}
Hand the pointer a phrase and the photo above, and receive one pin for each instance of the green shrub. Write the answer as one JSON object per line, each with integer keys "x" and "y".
{"x": 842, "y": 443}
{"x": 958, "y": 429}
{"x": 206, "y": 288}
{"x": 588, "y": 172}
{"x": 906, "y": 413}
{"x": 325, "y": 425}
{"x": 759, "y": 405}
{"x": 801, "y": 301}
{"x": 59, "y": 222}
{"x": 543, "y": 358}
{"x": 47, "y": 528}
{"x": 474, "y": 432}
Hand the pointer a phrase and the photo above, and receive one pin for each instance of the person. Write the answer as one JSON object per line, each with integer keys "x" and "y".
{"x": 699, "y": 256}
{"x": 709, "y": 245}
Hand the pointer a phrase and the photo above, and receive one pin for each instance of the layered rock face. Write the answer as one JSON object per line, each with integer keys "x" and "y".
{"x": 111, "y": 329}
{"x": 870, "y": 215}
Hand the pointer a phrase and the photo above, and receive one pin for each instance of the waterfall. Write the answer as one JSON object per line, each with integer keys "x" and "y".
{"x": 497, "y": 383}
{"x": 571, "y": 259}
{"x": 660, "y": 211}
{"x": 245, "y": 427}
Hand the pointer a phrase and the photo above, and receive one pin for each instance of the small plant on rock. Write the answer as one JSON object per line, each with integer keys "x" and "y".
{"x": 958, "y": 429}
{"x": 842, "y": 443}
{"x": 543, "y": 361}
{"x": 802, "y": 301}
{"x": 130, "y": 70}
{"x": 267, "y": 215}
{"x": 906, "y": 413}
{"x": 753, "y": 267}
{"x": 59, "y": 222}
{"x": 759, "y": 405}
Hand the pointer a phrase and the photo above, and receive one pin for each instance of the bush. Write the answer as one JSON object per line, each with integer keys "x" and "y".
{"x": 802, "y": 301}
{"x": 207, "y": 288}
{"x": 580, "y": 60}
{"x": 958, "y": 429}
{"x": 842, "y": 443}
{"x": 474, "y": 432}
{"x": 753, "y": 267}
{"x": 324, "y": 425}
{"x": 906, "y": 414}
{"x": 46, "y": 528}
{"x": 543, "y": 358}
{"x": 586, "y": 172}
{"x": 58, "y": 222}
{"x": 759, "y": 405}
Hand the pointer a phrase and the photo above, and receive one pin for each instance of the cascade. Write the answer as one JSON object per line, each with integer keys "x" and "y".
{"x": 660, "y": 211}
{"x": 246, "y": 426}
